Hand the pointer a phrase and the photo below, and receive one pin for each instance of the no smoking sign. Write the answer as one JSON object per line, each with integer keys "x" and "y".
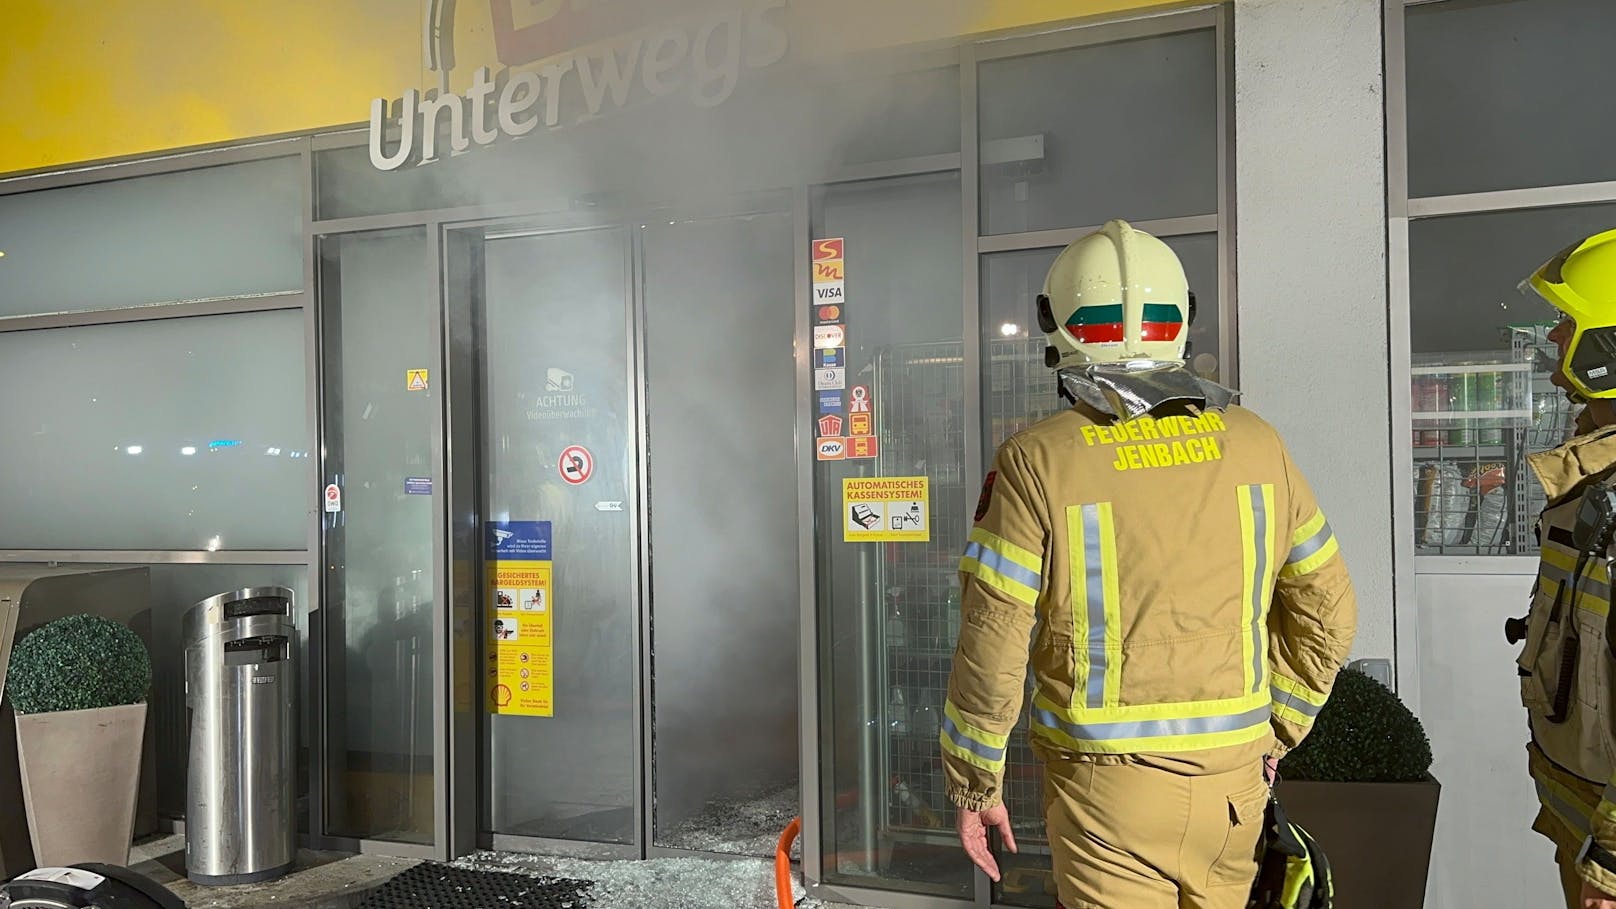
{"x": 577, "y": 465}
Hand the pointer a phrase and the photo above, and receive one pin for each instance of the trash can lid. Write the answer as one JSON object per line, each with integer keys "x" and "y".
{"x": 202, "y": 619}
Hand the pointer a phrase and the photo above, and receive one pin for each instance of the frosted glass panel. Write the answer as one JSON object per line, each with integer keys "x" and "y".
{"x": 380, "y": 572}
{"x": 1122, "y": 130}
{"x": 719, "y": 293}
{"x": 216, "y": 232}
{"x": 1484, "y": 78}
{"x": 179, "y": 434}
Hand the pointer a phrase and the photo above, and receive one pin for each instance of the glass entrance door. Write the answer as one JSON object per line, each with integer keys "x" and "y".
{"x": 560, "y": 473}
{"x": 635, "y": 448}
{"x": 718, "y": 311}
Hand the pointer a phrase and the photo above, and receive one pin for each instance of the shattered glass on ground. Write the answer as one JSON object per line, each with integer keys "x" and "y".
{"x": 744, "y": 824}
{"x": 683, "y": 883}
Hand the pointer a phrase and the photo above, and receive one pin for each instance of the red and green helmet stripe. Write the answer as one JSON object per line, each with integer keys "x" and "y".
{"x": 1103, "y": 324}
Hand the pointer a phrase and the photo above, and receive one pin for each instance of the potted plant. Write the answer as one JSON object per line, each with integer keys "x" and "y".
{"x": 78, "y": 686}
{"x": 1360, "y": 783}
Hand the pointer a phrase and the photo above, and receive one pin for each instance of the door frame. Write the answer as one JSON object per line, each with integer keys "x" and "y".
{"x": 463, "y": 731}
{"x": 461, "y": 287}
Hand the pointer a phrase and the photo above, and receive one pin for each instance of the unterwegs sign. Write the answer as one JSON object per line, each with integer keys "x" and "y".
{"x": 704, "y": 56}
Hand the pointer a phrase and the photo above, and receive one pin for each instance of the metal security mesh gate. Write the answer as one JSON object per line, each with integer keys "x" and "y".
{"x": 920, "y": 402}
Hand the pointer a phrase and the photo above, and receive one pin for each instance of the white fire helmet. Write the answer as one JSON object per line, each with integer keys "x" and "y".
{"x": 1117, "y": 295}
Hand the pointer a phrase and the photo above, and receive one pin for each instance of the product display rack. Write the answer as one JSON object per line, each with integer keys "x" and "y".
{"x": 1475, "y": 418}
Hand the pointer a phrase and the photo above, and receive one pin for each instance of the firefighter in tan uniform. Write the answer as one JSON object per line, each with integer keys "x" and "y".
{"x": 1566, "y": 663}
{"x": 1191, "y": 604}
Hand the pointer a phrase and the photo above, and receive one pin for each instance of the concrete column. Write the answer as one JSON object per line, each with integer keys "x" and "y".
{"x": 1311, "y": 233}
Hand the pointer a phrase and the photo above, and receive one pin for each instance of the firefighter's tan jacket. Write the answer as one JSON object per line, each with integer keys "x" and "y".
{"x": 1189, "y": 597}
{"x": 1571, "y": 761}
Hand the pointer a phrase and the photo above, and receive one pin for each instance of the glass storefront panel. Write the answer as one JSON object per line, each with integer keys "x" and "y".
{"x": 557, "y": 377}
{"x": 720, "y": 317}
{"x": 223, "y": 231}
{"x": 907, "y": 115}
{"x": 1481, "y": 395}
{"x": 1066, "y": 143}
{"x": 180, "y": 434}
{"x": 886, "y": 606}
{"x": 1485, "y": 75}
{"x": 381, "y": 570}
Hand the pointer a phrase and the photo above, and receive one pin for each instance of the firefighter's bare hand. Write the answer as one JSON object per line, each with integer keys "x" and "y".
{"x": 1594, "y": 898}
{"x": 973, "y": 829}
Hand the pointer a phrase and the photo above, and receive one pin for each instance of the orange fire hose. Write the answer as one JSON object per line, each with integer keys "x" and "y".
{"x": 782, "y": 864}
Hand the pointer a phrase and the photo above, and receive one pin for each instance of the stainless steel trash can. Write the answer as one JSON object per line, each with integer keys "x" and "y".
{"x": 240, "y": 687}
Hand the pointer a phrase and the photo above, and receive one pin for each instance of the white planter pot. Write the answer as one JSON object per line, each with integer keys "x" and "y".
{"x": 80, "y": 781}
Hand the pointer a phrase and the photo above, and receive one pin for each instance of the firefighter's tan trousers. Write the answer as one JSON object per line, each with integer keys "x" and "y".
{"x": 1127, "y": 836}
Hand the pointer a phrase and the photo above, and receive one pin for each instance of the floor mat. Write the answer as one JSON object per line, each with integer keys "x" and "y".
{"x": 448, "y": 887}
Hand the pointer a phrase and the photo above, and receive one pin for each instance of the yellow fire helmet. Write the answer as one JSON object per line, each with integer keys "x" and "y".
{"x": 1117, "y": 295}
{"x": 1580, "y": 282}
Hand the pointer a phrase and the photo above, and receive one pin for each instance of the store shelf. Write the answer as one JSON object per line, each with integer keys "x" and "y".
{"x": 1471, "y": 369}
{"x": 1461, "y": 453}
{"x": 1472, "y": 416}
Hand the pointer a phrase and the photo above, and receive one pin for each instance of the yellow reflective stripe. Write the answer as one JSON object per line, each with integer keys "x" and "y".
{"x": 1008, "y": 586}
{"x": 1077, "y": 548}
{"x": 1023, "y": 557}
{"x": 1291, "y": 715}
{"x": 968, "y": 757}
{"x": 1306, "y": 531}
{"x": 1112, "y": 693}
{"x": 1587, "y": 600}
{"x": 1096, "y": 606}
{"x": 1595, "y": 568}
{"x": 1295, "y": 702}
{"x": 1157, "y": 736}
{"x": 1564, "y": 804}
{"x": 1313, "y": 562}
{"x": 1178, "y": 710}
{"x": 1003, "y": 566}
{"x": 1257, "y": 548}
{"x": 1607, "y": 810}
{"x": 1299, "y": 690}
{"x": 976, "y": 733}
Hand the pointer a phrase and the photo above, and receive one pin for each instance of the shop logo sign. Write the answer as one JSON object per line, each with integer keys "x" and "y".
{"x": 555, "y": 54}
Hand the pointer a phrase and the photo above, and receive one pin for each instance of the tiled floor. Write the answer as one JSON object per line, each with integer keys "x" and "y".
{"x": 321, "y": 880}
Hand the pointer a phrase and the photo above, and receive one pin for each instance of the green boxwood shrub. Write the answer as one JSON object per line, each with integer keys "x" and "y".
{"x": 1364, "y": 734}
{"x": 78, "y": 662}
